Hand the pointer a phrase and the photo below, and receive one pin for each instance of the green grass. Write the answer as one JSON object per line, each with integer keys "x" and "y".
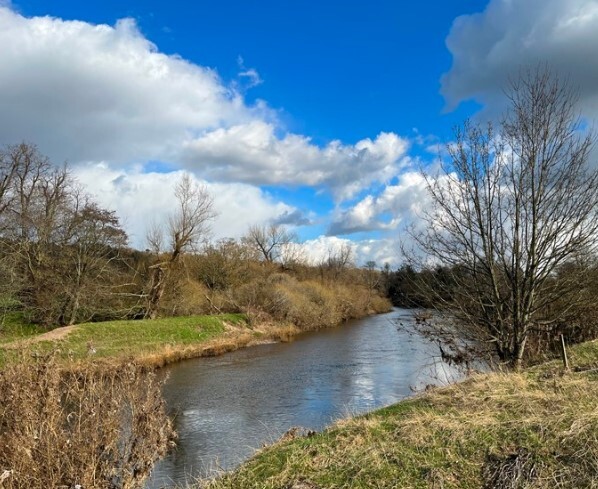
{"x": 13, "y": 327}
{"x": 118, "y": 339}
{"x": 535, "y": 429}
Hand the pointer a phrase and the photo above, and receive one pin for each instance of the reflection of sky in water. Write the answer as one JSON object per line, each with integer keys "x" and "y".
{"x": 227, "y": 406}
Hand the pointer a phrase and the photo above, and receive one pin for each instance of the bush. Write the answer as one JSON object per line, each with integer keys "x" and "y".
{"x": 102, "y": 427}
{"x": 308, "y": 304}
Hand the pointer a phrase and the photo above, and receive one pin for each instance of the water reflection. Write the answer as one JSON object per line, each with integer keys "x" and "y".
{"x": 228, "y": 406}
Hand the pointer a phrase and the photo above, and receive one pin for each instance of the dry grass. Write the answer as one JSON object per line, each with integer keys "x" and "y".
{"x": 307, "y": 304}
{"x": 537, "y": 429}
{"x": 276, "y": 307}
{"x": 100, "y": 427}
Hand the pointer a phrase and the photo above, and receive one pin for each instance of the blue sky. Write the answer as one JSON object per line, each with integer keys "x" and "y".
{"x": 336, "y": 70}
{"x": 315, "y": 114}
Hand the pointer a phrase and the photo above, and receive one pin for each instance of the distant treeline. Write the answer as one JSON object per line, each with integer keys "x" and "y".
{"x": 64, "y": 260}
{"x": 435, "y": 288}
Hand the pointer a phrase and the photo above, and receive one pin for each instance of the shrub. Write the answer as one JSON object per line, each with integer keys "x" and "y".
{"x": 102, "y": 427}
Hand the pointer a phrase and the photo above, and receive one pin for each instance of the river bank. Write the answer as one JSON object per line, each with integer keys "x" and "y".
{"x": 151, "y": 343}
{"x": 227, "y": 407}
{"x": 537, "y": 428}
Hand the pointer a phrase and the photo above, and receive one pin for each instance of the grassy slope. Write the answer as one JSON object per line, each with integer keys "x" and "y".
{"x": 14, "y": 328}
{"x": 158, "y": 341}
{"x": 535, "y": 429}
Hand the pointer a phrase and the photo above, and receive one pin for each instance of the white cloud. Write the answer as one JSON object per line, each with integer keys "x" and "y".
{"x": 381, "y": 250}
{"x": 253, "y": 153}
{"x": 250, "y": 75}
{"x": 95, "y": 92}
{"x": 509, "y": 35}
{"x": 400, "y": 203}
{"x": 141, "y": 199}
{"x": 85, "y": 92}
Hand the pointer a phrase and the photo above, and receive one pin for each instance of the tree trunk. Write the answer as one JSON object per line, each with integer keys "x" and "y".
{"x": 74, "y": 310}
{"x": 156, "y": 291}
{"x": 517, "y": 360}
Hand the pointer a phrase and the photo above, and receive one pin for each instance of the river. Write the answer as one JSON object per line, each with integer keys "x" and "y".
{"x": 225, "y": 407}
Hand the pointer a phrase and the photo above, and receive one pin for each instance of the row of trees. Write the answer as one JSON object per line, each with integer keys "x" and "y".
{"x": 64, "y": 259}
{"x": 56, "y": 244}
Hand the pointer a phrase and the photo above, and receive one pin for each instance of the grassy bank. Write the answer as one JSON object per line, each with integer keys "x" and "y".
{"x": 535, "y": 429}
{"x": 150, "y": 342}
{"x": 272, "y": 307}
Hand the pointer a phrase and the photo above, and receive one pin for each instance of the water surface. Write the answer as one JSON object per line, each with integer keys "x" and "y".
{"x": 228, "y": 406}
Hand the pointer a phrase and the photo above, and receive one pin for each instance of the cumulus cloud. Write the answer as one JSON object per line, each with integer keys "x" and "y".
{"x": 85, "y": 92}
{"x": 509, "y": 35}
{"x": 95, "y": 92}
{"x": 253, "y": 153}
{"x": 380, "y": 251}
{"x": 397, "y": 204}
{"x": 141, "y": 199}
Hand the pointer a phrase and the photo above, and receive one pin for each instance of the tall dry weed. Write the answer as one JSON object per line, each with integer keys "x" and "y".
{"x": 100, "y": 427}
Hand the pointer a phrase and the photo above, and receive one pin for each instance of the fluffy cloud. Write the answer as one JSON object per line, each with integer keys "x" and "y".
{"x": 253, "y": 153}
{"x": 381, "y": 250}
{"x": 95, "y": 92}
{"x": 494, "y": 45}
{"x": 141, "y": 199}
{"x": 86, "y": 92}
{"x": 396, "y": 204}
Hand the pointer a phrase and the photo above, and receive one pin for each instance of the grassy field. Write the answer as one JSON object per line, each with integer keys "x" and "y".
{"x": 535, "y": 429}
{"x": 157, "y": 341}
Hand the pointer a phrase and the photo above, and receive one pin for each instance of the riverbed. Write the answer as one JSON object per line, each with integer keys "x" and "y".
{"x": 227, "y": 407}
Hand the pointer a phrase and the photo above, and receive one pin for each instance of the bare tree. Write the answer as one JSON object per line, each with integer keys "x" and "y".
{"x": 269, "y": 241}
{"x": 186, "y": 226}
{"x": 510, "y": 209}
{"x": 223, "y": 265}
{"x": 94, "y": 242}
{"x": 35, "y": 226}
{"x": 57, "y": 246}
{"x": 338, "y": 260}
{"x": 292, "y": 255}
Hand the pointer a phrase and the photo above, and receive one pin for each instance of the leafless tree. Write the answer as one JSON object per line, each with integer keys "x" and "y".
{"x": 34, "y": 226}
{"x": 93, "y": 247}
{"x": 339, "y": 258}
{"x": 56, "y": 244}
{"x": 269, "y": 241}
{"x": 186, "y": 226}
{"x": 510, "y": 208}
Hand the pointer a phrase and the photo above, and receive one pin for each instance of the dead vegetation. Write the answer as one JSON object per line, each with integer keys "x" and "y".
{"x": 98, "y": 427}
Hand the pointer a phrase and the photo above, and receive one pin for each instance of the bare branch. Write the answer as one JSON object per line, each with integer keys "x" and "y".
{"x": 510, "y": 209}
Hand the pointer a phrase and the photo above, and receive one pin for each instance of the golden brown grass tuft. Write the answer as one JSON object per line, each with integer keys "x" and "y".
{"x": 98, "y": 427}
{"x": 307, "y": 304}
